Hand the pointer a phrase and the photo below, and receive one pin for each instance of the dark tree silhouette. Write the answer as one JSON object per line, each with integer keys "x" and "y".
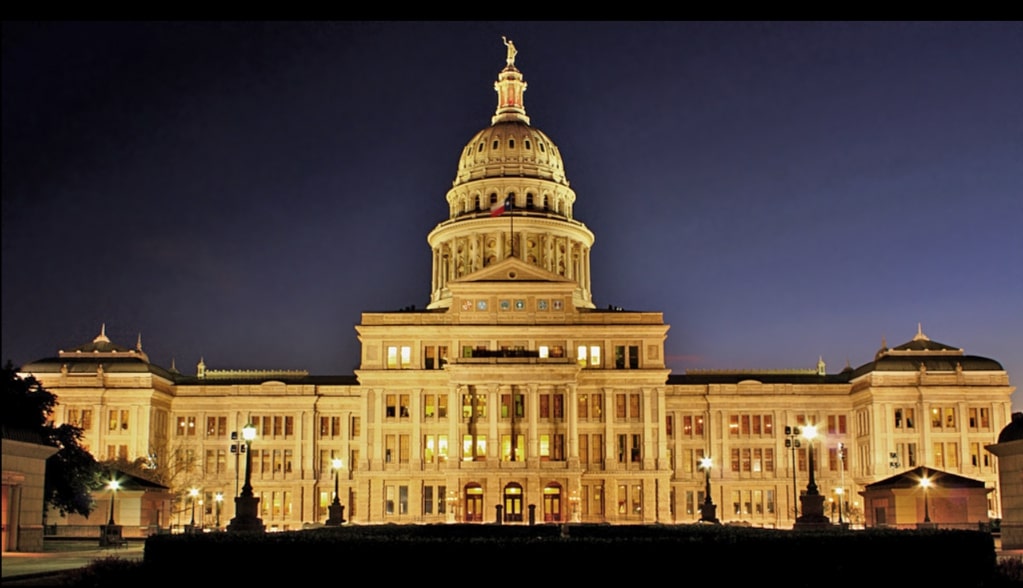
{"x": 71, "y": 472}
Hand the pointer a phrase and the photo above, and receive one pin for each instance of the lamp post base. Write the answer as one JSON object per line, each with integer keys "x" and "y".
{"x": 337, "y": 514}
{"x": 708, "y": 513}
{"x": 813, "y": 513}
{"x": 247, "y": 518}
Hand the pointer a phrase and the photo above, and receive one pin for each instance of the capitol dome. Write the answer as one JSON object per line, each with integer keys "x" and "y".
{"x": 511, "y": 148}
{"x": 510, "y": 198}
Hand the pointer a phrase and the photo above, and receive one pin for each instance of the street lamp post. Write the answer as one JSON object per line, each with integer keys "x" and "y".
{"x": 336, "y": 509}
{"x": 114, "y": 486}
{"x": 812, "y": 501}
{"x": 841, "y": 483}
{"x": 925, "y": 483}
{"x": 219, "y": 498}
{"x": 246, "y": 504}
{"x": 708, "y": 509}
{"x": 792, "y": 442}
{"x": 193, "y": 493}
{"x": 110, "y": 534}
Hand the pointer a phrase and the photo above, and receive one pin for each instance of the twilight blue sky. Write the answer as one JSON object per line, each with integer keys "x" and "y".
{"x": 781, "y": 191}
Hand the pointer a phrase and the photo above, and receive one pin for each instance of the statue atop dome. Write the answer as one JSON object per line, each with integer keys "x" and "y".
{"x": 512, "y": 52}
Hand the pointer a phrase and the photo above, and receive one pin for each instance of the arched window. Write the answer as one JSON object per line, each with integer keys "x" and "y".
{"x": 529, "y": 200}
{"x": 552, "y": 503}
{"x": 478, "y": 208}
{"x": 511, "y": 143}
{"x": 473, "y": 503}
{"x": 513, "y": 503}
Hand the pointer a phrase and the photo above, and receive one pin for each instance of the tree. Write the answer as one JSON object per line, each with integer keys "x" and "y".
{"x": 72, "y": 472}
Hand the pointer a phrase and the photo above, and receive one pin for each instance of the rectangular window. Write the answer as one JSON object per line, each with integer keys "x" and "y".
{"x": 584, "y": 448}
{"x": 733, "y": 425}
{"x": 429, "y": 406}
{"x": 583, "y": 408}
{"x": 429, "y": 448}
{"x": 403, "y": 448}
{"x": 597, "y": 449}
{"x": 558, "y": 405}
{"x": 278, "y": 426}
{"x": 390, "y": 448}
{"x": 474, "y": 447}
{"x": 634, "y": 357}
{"x": 620, "y": 404}
{"x": 427, "y": 500}
{"x": 510, "y": 453}
{"x": 634, "y": 406}
{"x": 936, "y": 418}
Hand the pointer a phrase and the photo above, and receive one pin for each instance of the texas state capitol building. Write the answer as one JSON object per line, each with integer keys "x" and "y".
{"x": 512, "y": 392}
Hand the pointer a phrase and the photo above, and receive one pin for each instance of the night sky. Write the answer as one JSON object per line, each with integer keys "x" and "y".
{"x": 781, "y": 191}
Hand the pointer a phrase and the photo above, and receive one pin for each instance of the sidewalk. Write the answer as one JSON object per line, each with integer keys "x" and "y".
{"x": 63, "y": 555}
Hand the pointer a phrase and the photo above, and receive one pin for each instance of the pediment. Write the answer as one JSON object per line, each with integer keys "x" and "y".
{"x": 512, "y": 269}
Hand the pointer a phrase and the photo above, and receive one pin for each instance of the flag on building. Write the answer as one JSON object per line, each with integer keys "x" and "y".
{"x": 499, "y": 208}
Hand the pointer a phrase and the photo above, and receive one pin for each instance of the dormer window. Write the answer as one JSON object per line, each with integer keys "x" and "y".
{"x": 511, "y": 143}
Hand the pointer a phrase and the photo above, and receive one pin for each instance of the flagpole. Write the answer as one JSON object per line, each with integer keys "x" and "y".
{"x": 511, "y": 224}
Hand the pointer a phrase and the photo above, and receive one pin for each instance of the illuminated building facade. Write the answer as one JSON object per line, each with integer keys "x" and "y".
{"x": 512, "y": 397}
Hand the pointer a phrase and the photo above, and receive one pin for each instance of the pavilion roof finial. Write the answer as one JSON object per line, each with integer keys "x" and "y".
{"x": 102, "y": 337}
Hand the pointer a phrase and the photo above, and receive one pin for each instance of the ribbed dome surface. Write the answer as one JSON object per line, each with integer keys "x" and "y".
{"x": 512, "y": 148}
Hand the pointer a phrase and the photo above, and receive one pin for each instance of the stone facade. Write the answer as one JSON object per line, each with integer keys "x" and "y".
{"x": 510, "y": 396}
{"x": 24, "y": 475}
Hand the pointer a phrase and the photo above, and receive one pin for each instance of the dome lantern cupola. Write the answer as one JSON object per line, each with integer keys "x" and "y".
{"x": 510, "y": 88}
